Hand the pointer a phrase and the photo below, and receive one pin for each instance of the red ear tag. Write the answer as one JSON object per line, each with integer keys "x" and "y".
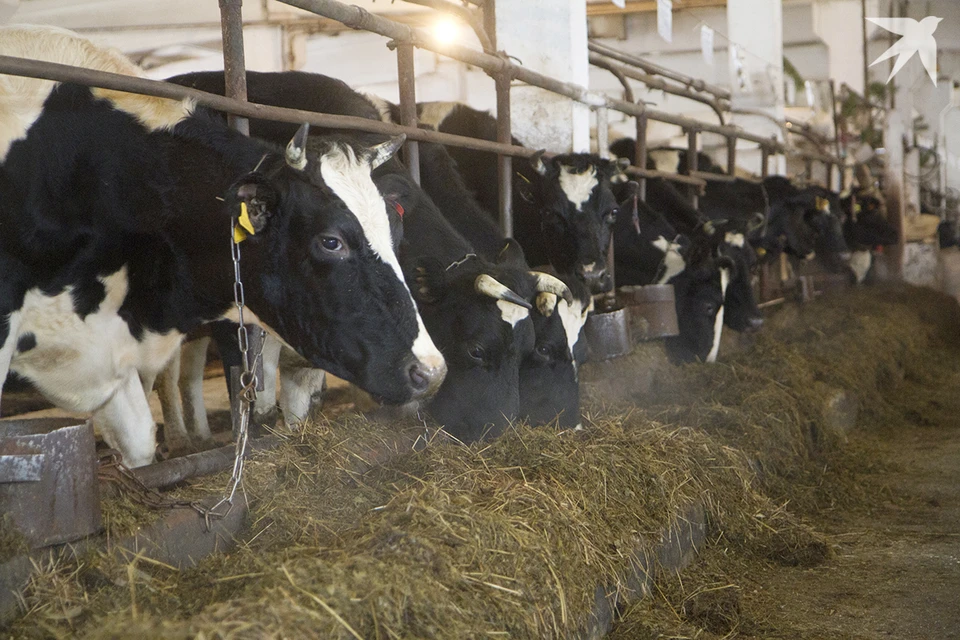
{"x": 399, "y": 209}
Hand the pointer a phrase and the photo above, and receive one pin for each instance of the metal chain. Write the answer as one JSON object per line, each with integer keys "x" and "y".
{"x": 112, "y": 470}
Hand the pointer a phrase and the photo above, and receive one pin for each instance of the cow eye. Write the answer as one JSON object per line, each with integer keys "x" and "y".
{"x": 476, "y": 353}
{"x": 543, "y": 350}
{"x": 612, "y": 216}
{"x": 328, "y": 246}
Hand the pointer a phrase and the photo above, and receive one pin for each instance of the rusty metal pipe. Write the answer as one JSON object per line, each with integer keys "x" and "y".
{"x": 406, "y": 78}
{"x": 234, "y": 69}
{"x": 693, "y": 162}
{"x": 504, "y": 162}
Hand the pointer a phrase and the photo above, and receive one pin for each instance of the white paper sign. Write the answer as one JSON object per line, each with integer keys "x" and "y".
{"x": 620, "y": 3}
{"x": 706, "y": 44}
{"x": 665, "y": 19}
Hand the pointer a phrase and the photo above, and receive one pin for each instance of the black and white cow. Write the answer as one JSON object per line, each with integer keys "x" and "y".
{"x": 563, "y": 206}
{"x": 648, "y": 250}
{"x": 116, "y": 210}
{"x": 476, "y": 304}
{"x": 866, "y": 230}
{"x": 549, "y": 384}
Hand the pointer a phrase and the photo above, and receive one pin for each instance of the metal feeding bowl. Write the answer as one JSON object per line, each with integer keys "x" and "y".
{"x": 608, "y": 331}
{"x": 653, "y": 310}
{"x": 48, "y": 479}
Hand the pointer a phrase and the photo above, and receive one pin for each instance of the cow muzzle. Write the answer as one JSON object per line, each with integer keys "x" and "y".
{"x": 424, "y": 378}
{"x": 597, "y": 279}
{"x": 754, "y": 324}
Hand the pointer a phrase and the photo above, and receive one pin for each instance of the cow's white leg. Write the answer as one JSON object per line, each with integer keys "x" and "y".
{"x": 193, "y": 361}
{"x": 126, "y": 423}
{"x": 174, "y": 428}
{"x": 300, "y": 389}
{"x": 7, "y": 348}
{"x": 265, "y": 409}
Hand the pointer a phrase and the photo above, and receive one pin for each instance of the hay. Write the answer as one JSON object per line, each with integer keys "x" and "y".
{"x": 510, "y": 538}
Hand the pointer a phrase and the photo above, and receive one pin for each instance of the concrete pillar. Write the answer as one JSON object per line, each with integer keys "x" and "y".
{"x": 893, "y": 184}
{"x": 839, "y": 24}
{"x": 755, "y": 29}
{"x": 263, "y": 48}
{"x": 549, "y": 37}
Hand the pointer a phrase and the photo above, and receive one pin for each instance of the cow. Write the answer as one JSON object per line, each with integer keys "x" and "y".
{"x": 549, "y": 383}
{"x": 648, "y": 250}
{"x": 866, "y": 230}
{"x": 476, "y": 306}
{"x": 117, "y": 209}
{"x": 563, "y": 206}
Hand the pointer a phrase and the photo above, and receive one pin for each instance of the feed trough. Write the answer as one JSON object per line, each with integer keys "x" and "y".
{"x": 608, "y": 331}
{"x": 652, "y": 309}
{"x": 48, "y": 479}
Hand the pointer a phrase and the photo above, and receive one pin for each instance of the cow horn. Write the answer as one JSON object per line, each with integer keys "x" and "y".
{"x": 546, "y": 303}
{"x": 552, "y": 284}
{"x": 296, "y": 153}
{"x": 487, "y": 285}
{"x": 536, "y": 160}
{"x": 385, "y": 150}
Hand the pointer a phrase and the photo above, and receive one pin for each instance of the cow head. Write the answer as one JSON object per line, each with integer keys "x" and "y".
{"x": 741, "y": 312}
{"x": 865, "y": 225}
{"x": 320, "y": 269}
{"x": 700, "y": 292}
{"x": 549, "y": 386}
{"x": 577, "y": 213}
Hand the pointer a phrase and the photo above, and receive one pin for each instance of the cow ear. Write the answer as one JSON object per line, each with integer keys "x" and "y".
{"x": 256, "y": 201}
{"x": 430, "y": 281}
{"x": 538, "y": 164}
{"x": 616, "y": 169}
{"x": 512, "y": 254}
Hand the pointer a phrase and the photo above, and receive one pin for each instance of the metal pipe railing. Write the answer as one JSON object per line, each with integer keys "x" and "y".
{"x": 622, "y": 72}
{"x": 132, "y": 84}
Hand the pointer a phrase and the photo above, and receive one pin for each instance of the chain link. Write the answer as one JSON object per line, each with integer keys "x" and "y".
{"x": 112, "y": 470}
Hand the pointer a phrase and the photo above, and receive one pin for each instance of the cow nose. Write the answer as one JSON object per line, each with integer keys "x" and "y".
{"x": 845, "y": 256}
{"x": 598, "y": 280}
{"x": 754, "y": 324}
{"x": 425, "y": 378}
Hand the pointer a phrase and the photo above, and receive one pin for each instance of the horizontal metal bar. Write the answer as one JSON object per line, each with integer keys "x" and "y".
{"x": 118, "y": 82}
{"x": 672, "y": 177}
{"x": 655, "y": 69}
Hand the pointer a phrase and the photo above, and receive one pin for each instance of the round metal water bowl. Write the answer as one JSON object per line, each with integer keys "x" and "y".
{"x": 653, "y": 310}
{"x": 48, "y": 479}
{"x": 608, "y": 333}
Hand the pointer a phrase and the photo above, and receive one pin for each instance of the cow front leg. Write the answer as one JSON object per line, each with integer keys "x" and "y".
{"x": 175, "y": 434}
{"x": 301, "y": 393}
{"x": 126, "y": 424}
{"x": 265, "y": 408}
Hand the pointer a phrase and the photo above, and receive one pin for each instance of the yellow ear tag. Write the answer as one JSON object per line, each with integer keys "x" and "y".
{"x": 244, "y": 226}
{"x": 857, "y": 208}
{"x": 761, "y": 251}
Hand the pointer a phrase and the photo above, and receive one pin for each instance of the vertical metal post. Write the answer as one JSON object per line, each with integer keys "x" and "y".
{"x": 692, "y": 163}
{"x": 603, "y": 131}
{"x": 764, "y": 162}
{"x": 732, "y": 156}
{"x": 408, "y": 105}
{"x": 808, "y": 168}
{"x": 234, "y": 70}
{"x": 829, "y": 181}
{"x": 640, "y": 153}
{"x": 504, "y": 163}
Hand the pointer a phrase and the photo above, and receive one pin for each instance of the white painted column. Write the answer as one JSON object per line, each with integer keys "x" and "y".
{"x": 263, "y": 48}
{"x": 755, "y": 29}
{"x": 549, "y": 37}
{"x": 839, "y": 23}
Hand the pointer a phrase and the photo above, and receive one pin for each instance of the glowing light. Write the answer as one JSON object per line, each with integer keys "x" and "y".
{"x": 446, "y": 31}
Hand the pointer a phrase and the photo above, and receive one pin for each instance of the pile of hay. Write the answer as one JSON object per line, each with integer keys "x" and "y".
{"x": 511, "y": 538}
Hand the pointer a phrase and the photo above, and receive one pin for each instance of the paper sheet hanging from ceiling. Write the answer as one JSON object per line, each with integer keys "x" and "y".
{"x": 665, "y": 19}
{"x": 706, "y": 44}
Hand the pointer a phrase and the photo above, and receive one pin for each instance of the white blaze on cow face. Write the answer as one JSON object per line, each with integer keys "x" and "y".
{"x": 718, "y": 321}
{"x": 573, "y": 317}
{"x": 349, "y": 178}
{"x": 578, "y": 186}
{"x": 512, "y": 313}
{"x": 22, "y": 98}
{"x": 860, "y": 262}
{"x": 673, "y": 262}
{"x": 734, "y": 239}
{"x": 667, "y": 160}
